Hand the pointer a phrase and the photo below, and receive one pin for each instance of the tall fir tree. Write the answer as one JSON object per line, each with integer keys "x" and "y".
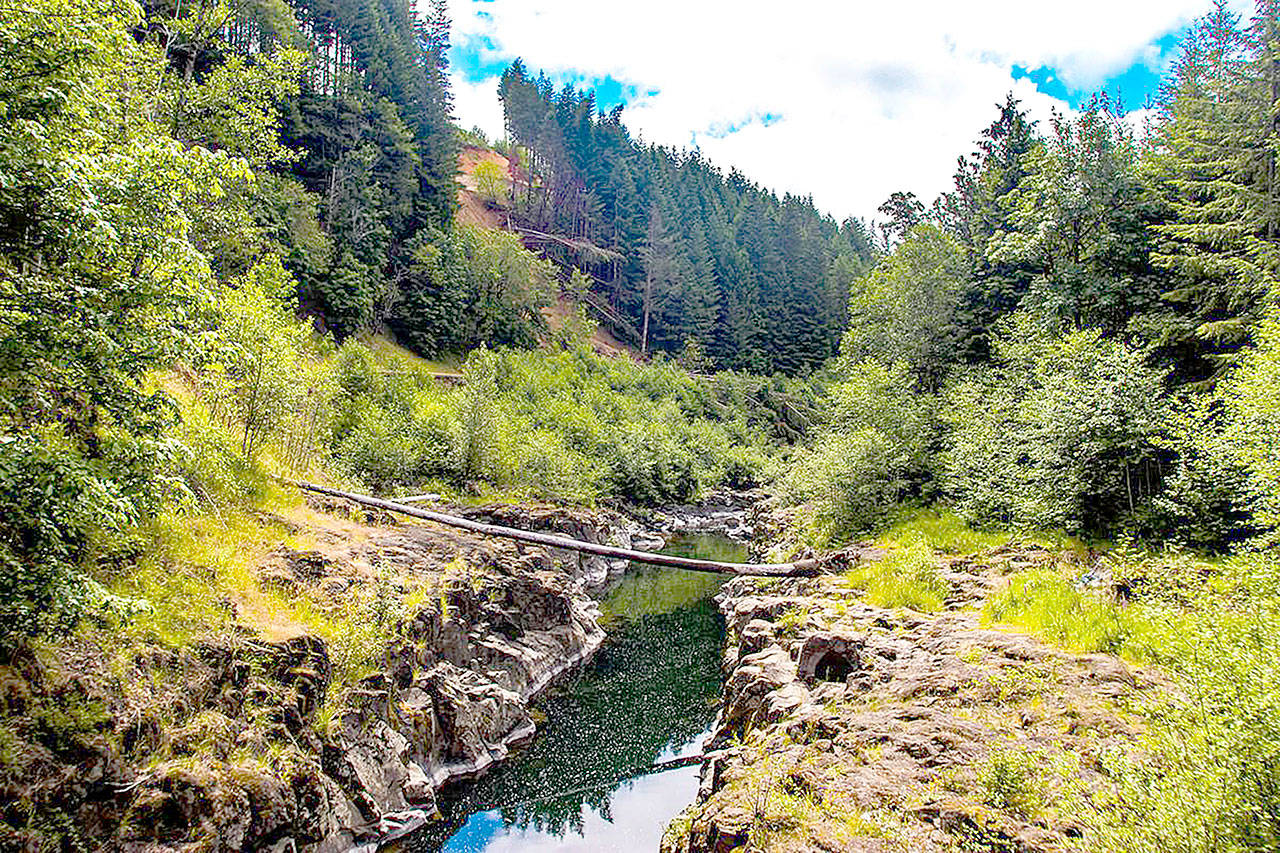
{"x": 1213, "y": 169}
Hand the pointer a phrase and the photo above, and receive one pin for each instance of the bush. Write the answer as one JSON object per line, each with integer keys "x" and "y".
{"x": 870, "y": 456}
{"x": 1250, "y": 436}
{"x": 1209, "y": 777}
{"x": 1011, "y": 780}
{"x": 1064, "y": 432}
{"x": 558, "y": 424}
{"x": 262, "y": 374}
{"x": 491, "y": 183}
{"x": 1209, "y": 499}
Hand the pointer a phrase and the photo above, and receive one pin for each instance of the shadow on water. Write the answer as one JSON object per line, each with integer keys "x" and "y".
{"x": 584, "y": 783}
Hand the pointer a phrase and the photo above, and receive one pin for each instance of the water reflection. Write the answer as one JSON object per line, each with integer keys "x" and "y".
{"x": 648, "y": 697}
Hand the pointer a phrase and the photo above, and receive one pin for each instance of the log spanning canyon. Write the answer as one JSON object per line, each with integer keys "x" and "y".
{"x": 808, "y": 567}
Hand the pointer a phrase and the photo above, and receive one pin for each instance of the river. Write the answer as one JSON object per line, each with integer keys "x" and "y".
{"x": 649, "y": 696}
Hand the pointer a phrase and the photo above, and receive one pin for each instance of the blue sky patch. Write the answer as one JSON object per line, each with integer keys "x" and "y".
{"x": 1135, "y": 85}
{"x": 477, "y": 58}
{"x": 721, "y": 129}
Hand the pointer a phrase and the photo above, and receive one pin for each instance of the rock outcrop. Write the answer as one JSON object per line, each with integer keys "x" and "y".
{"x": 854, "y": 728}
{"x": 250, "y": 742}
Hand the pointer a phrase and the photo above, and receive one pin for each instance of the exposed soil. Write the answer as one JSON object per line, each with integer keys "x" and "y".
{"x": 474, "y": 210}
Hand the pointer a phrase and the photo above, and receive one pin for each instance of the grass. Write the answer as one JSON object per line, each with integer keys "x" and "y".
{"x": 786, "y": 809}
{"x": 1011, "y": 780}
{"x": 391, "y": 352}
{"x": 199, "y": 578}
{"x": 791, "y": 620}
{"x": 949, "y": 533}
{"x": 1046, "y": 603}
{"x": 907, "y": 577}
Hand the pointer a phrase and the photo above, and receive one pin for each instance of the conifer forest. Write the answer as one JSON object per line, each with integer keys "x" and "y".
{"x": 290, "y": 361}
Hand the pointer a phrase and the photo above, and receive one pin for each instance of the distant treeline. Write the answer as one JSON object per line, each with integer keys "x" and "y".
{"x": 694, "y": 260}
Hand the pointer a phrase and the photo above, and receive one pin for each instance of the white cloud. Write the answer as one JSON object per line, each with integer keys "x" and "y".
{"x": 873, "y": 96}
{"x": 477, "y": 105}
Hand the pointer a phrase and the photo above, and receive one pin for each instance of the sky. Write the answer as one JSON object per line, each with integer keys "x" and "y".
{"x": 844, "y": 100}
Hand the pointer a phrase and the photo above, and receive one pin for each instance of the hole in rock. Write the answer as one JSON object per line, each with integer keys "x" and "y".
{"x": 832, "y": 667}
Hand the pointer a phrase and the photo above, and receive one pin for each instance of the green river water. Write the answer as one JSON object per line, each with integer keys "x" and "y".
{"x": 584, "y": 782}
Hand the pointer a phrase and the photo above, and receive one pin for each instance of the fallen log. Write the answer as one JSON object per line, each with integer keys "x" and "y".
{"x": 800, "y": 568}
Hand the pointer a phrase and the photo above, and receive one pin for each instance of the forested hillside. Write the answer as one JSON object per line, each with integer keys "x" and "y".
{"x": 1082, "y": 336}
{"x": 1079, "y": 328}
{"x": 690, "y": 256}
{"x": 207, "y": 214}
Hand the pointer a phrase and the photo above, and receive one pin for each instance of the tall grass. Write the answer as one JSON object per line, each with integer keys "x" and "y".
{"x": 906, "y": 577}
{"x": 1206, "y": 776}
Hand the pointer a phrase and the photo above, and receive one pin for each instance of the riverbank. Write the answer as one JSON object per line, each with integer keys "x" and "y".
{"x": 273, "y": 737}
{"x": 851, "y": 727}
{"x": 616, "y": 754}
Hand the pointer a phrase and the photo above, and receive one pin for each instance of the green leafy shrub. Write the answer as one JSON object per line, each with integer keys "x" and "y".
{"x": 1065, "y": 432}
{"x": 1010, "y": 780}
{"x": 58, "y": 509}
{"x": 870, "y": 456}
{"x": 1208, "y": 777}
{"x": 558, "y": 424}
{"x": 491, "y": 183}
{"x": 256, "y": 378}
{"x": 1250, "y": 434}
{"x": 1208, "y": 499}
{"x": 107, "y": 254}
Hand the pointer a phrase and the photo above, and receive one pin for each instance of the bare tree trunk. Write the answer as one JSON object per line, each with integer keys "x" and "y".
{"x": 648, "y": 305}
{"x": 800, "y": 568}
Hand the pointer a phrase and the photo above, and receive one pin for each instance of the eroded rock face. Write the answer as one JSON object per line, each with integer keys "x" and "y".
{"x": 854, "y": 728}
{"x": 450, "y": 698}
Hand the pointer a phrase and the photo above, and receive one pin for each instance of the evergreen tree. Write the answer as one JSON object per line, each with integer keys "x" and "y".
{"x": 1213, "y": 169}
{"x": 683, "y": 251}
{"x": 1080, "y": 217}
{"x": 980, "y": 209}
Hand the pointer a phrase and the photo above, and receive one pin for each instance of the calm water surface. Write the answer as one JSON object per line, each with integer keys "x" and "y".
{"x": 584, "y": 782}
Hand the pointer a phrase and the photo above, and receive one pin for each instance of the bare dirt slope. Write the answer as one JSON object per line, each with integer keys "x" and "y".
{"x": 474, "y": 210}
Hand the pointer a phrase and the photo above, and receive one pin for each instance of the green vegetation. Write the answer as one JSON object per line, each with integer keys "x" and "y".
{"x": 210, "y": 215}
{"x": 1010, "y": 778}
{"x": 1081, "y": 335}
{"x": 193, "y": 230}
{"x": 685, "y": 255}
{"x": 906, "y": 577}
{"x": 1204, "y": 778}
{"x": 569, "y": 425}
{"x": 948, "y": 533}
{"x": 1049, "y": 605}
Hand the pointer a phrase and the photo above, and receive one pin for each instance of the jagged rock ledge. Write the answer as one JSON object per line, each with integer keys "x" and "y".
{"x": 243, "y": 741}
{"x": 855, "y": 728}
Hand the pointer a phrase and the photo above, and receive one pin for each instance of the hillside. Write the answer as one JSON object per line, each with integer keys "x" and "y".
{"x": 491, "y": 213}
